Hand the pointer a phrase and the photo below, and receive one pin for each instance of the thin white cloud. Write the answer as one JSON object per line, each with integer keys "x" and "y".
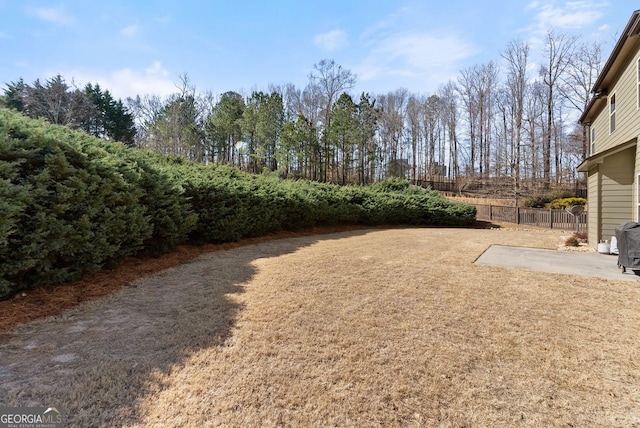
{"x": 578, "y": 17}
{"x": 402, "y": 52}
{"x": 570, "y": 15}
{"x": 331, "y": 41}
{"x": 130, "y": 31}
{"x": 422, "y": 56}
{"x": 129, "y": 82}
{"x": 533, "y": 5}
{"x": 387, "y": 24}
{"x": 156, "y": 69}
{"x": 53, "y": 15}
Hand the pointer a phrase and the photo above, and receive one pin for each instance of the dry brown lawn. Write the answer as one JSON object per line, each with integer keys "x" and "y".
{"x": 392, "y": 327}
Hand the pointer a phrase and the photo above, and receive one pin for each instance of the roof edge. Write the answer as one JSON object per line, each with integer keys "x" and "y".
{"x": 632, "y": 28}
{"x": 597, "y": 158}
{"x": 587, "y": 110}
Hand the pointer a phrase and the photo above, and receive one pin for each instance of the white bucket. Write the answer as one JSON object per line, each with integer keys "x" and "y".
{"x": 604, "y": 247}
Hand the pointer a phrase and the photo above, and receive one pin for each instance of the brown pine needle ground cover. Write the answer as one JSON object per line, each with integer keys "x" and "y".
{"x": 390, "y": 327}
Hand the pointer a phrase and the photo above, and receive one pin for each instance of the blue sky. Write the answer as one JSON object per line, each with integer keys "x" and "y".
{"x": 142, "y": 47}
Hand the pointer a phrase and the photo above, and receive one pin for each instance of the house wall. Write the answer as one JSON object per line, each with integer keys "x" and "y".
{"x": 612, "y": 188}
{"x": 627, "y": 112}
{"x": 617, "y": 174}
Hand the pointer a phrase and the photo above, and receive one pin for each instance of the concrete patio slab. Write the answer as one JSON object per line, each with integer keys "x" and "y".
{"x": 553, "y": 261}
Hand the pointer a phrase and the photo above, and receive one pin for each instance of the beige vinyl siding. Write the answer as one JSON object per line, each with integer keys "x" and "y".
{"x": 593, "y": 204}
{"x": 627, "y": 113}
{"x": 616, "y": 187}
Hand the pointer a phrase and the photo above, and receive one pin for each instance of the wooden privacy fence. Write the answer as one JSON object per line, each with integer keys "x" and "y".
{"x": 553, "y": 219}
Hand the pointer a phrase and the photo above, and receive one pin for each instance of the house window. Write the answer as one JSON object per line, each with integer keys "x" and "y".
{"x": 612, "y": 113}
{"x": 593, "y": 140}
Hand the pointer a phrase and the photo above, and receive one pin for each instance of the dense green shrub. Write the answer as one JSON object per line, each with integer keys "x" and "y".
{"x": 231, "y": 204}
{"x": 560, "y": 204}
{"x": 71, "y": 203}
{"x": 542, "y": 199}
{"x": 391, "y": 185}
{"x": 77, "y": 212}
{"x": 169, "y": 212}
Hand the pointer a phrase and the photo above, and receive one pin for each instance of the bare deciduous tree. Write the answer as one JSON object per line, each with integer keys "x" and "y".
{"x": 414, "y": 112}
{"x": 558, "y": 52}
{"x": 477, "y": 86}
{"x": 330, "y": 80}
{"x": 449, "y": 105}
{"x": 517, "y": 55}
{"x": 580, "y": 77}
{"x": 392, "y": 125}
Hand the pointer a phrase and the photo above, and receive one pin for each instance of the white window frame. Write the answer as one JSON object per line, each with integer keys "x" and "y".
{"x": 638, "y": 198}
{"x": 638, "y": 82}
{"x": 612, "y": 102}
{"x": 592, "y": 139}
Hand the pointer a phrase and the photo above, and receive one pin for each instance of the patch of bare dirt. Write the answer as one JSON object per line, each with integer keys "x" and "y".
{"x": 390, "y": 327}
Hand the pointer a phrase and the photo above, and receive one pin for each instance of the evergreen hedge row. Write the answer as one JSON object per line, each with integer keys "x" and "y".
{"x": 71, "y": 203}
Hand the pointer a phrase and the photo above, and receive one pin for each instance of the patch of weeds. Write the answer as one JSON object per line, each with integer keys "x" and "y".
{"x": 580, "y": 236}
{"x": 572, "y": 241}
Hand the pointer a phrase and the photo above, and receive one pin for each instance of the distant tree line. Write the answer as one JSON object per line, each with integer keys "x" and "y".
{"x": 494, "y": 121}
{"x": 90, "y": 108}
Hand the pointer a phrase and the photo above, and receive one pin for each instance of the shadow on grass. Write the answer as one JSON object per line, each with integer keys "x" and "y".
{"x": 96, "y": 362}
{"x": 481, "y": 224}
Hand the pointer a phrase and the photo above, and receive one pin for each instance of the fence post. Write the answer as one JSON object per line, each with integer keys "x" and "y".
{"x": 550, "y": 218}
{"x": 490, "y": 212}
{"x": 517, "y": 215}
